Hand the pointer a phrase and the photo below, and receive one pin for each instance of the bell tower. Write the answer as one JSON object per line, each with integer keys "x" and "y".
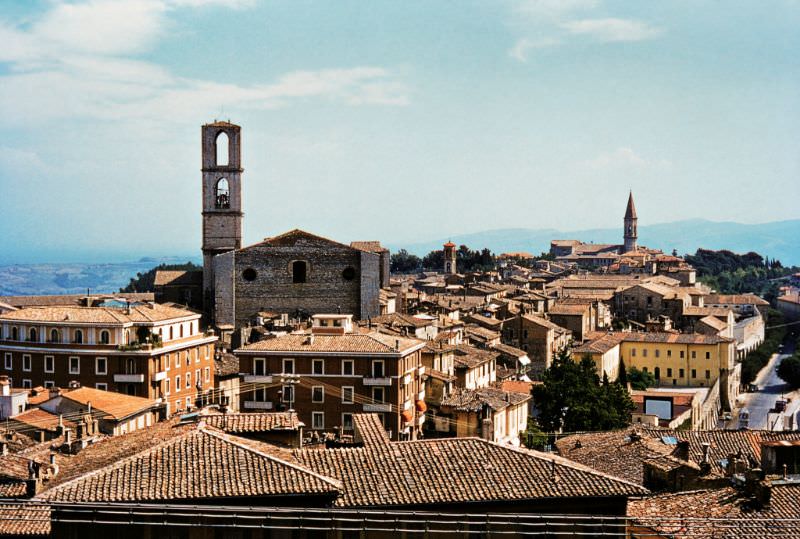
{"x": 449, "y": 258}
{"x": 630, "y": 234}
{"x": 222, "y": 198}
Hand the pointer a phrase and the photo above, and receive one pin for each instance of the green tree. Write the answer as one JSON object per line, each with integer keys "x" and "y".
{"x": 145, "y": 282}
{"x": 789, "y": 370}
{"x": 641, "y": 380}
{"x": 404, "y": 262}
{"x": 573, "y": 397}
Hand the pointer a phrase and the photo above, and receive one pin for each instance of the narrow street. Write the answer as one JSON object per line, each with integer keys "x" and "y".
{"x": 770, "y": 389}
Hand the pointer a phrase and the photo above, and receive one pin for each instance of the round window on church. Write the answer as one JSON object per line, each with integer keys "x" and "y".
{"x": 249, "y": 274}
{"x": 349, "y": 273}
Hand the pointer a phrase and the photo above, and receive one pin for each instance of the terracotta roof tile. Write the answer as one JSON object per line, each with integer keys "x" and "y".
{"x": 351, "y": 342}
{"x": 254, "y": 422}
{"x": 28, "y": 519}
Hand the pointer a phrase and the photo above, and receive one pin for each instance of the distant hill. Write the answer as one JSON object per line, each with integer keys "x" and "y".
{"x": 780, "y": 239}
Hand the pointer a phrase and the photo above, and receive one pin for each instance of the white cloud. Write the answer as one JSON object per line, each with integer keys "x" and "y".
{"x": 523, "y": 46}
{"x": 611, "y": 29}
{"x": 76, "y": 62}
{"x": 624, "y": 157}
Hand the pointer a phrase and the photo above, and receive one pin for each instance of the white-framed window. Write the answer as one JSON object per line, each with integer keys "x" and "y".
{"x": 347, "y": 394}
{"x": 259, "y": 366}
{"x": 177, "y": 402}
{"x": 288, "y": 366}
{"x": 347, "y": 367}
{"x": 188, "y": 402}
{"x": 287, "y": 394}
{"x": 105, "y": 337}
{"x": 100, "y": 365}
{"x": 177, "y": 360}
{"x": 207, "y": 374}
{"x": 49, "y": 383}
{"x": 26, "y": 383}
{"x": 178, "y": 384}
{"x": 49, "y": 364}
{"x": 102, "y": 386}
{"x": 347, "y": 421}
{"x": 188, "y": 358}
{"x": 167, "y": 361}
{"x": 26, "y": 362}
{"x": 317, "y": 366}
{"x": 318, "y": 420}
{"x": 74, "y": 365}
{"x": 317, "y": 394}
{"x": 9, "y": 362}
{"x": 166, "y": 386}
{"x": 694, "y": 354}
{"x": 207, "y": 349}
{"x": 196, "y": 353}
{"x": 377, "y": 368}
{"x": 188, "y": 380}
{"x": 378, "y": 395}
{"x": 197, "y": 379}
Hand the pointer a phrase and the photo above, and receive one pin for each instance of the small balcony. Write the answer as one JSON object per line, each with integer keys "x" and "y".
{"x": 377, "y": 381}
{"x": 258, "y": 405}
{"x": 159, "y": 376}
{"x": 377, "y": 407}
{"x": 129, "y": 378}
{"x": 258, "y": 378}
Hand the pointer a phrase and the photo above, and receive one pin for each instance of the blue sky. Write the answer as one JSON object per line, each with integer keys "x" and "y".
{"x": 398, "y": 121}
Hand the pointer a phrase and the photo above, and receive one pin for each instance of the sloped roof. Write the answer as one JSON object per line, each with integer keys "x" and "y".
{"x": 178, "y": 278}
{"x": 25, "y": 519}
{"x": 201, "y": 463}
{"x": 152, "y": 312}
{"x": 293, "y": 237}
{"x": 115, "y": 405}
{"x": 254, "y": 422}
{"x": 630, "y": 209}
{"x": 369, "y": 246}
{"x": 349, "y": 342}
{"x": 473, "y": 400}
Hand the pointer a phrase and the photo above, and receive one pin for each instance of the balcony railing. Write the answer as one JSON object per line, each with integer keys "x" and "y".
{"x": 377, "y": 381}
{"x": 377, "y": 407}
{"x": 129, "y": 378}
{"x": 258, "y": 378}
{"x": 258, "y": 405}
{"x": 158, "y": 376}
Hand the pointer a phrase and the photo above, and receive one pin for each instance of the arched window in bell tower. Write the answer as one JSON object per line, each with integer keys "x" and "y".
{"x": 222, "y": 197}
{"x": 221, "y": 144}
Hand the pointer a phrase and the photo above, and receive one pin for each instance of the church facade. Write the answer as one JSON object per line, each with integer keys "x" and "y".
{"x": 296, "y": 273}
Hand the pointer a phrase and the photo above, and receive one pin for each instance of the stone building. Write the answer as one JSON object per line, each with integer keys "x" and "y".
{"x": 295, "y": 273}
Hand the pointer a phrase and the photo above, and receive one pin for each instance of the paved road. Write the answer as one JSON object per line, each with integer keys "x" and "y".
{"x": 771, "y": 388}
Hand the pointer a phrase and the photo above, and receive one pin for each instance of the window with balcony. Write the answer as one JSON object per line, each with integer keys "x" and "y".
{"x": 378, "y": 395}
{"x": 347, "y": 367}
{"x": 14, "y": 333}
{"x": 259, "y": 366}
{"x": 317, "y": 366}
{"x": 100, "y": 365}
{"x": 347, "y": 394}
{"x": 288, "y": 366}
{"x": 26, "y": 362}
{"x": 49, "y": 364}
{"x": 377, "y": 368}
{"x": 317, "y": 420}
{"x": 317, "y": 394}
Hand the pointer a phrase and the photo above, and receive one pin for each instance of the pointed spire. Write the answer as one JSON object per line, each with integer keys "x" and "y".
{"x": 630, "y": 212}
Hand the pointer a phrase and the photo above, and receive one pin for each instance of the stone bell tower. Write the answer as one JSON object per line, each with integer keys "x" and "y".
{"x": 449, "y": 258}
{"x": 222, "y": 198}
{"x": 630, "y": 235}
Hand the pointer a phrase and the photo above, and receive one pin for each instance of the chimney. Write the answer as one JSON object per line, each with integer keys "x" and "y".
{"x": 683, "y": 450}
{"x": 705, "y": 465}
{"x": 397, "y": 344}
{"x": 53, "y": 465}
{"x": 68, "y": 437}
{"x": 3, "y": 448}
{"x": 33, "y": 482}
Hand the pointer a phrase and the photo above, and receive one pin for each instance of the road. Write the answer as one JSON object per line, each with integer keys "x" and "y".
{"x": 770, "y": 388}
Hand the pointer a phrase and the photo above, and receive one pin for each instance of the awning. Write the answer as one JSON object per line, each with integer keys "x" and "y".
{"x": 421, "y": 406}
{"x": 407, "y": 416}
{"x": 524, "y": 360}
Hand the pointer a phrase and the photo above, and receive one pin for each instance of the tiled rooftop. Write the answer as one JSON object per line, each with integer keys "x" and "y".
{"x": 254, "y": 422}
{"x": 151, "y": 312}
{"x": 350, "y": 342}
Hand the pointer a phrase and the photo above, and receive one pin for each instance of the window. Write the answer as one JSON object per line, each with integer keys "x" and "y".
{"x": 222, "y": 194}
{"x": 317, "y": 366}
{"x": 299, "y": 271}
{"x": 196, "y": 352}
{"x": 177, "y": 360}
{"x": 78, "y": 337}
{"x": 33, "y": 335}
{"x": 669, "y": 372}
{"x": 347, "y": 394}
{"x": 708, "y": 374}
{"x": 317, "y": 420}
{"x": 682, "y": 354}
{"x": 644, "y": 369}
{"x": 49, "y": 383}
{"x": 317, "y": 394}
{"x": 694, "y": 354}
{"x": 347, "y": 421}
{"x": 178, "y": 405}
{"x": 178, "y": 384}
{"x": 525, "y": 334}
{"x": 644, "y": 352}
{"x": 658, "y": 353}
{"x": 26, "y": 384}
{"x": 105, "y": 337}
{"x": 221, "y": 149}
{"x": 657, "y": 373}
{"x": 259, "y": 366}
{"x": 188, "y": 402}
{"x": 633, "y": 352}
{"x": 49, "y": 364}
{"x": 347, "y": 367}
{"x": 26, "y": 362}
{"x": 708, "y": 355}
{"x": 349, "y": 273}
{"x": 288, "y": 366}
{"x": 9, "y": 361}
{"x": 188, "y": 380}
{"x": 186, "y": 354}
{"x": 378, "y": 395}
{"x": 171, "y": 333}
{"x": 100, "y": 366}
{"x": 287, "y": 394}
{"x": 680, "y": 373}
{"x": 167, "y": 361}
{"x": 249, "y": 274}
{"x": 207, "y": 374}
{"x": 377, "y": 368}
{"x": 197, "y": 380}
{"x": 669, "y": 353}
{"x": 180, "y": 331}
{"x": 166, "y": 386}
{"x": 55, "y": 336}
{"x": 694, "y": 373}
{"x": 14, "y": 333}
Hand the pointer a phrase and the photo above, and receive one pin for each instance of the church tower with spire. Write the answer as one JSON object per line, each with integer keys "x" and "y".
{"x": 630, "y": 225}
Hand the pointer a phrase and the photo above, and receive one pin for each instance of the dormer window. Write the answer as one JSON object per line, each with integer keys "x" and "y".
{"x": 222, "y": 199}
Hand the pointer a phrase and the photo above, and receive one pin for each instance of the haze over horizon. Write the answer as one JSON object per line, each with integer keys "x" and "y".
{"x": 398, "y": 122}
